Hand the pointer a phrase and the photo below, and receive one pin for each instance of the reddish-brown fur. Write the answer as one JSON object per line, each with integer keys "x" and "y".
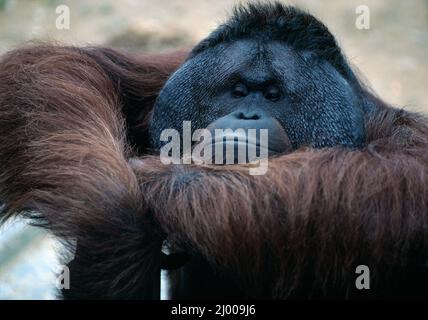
{"x": 63, "y": 157}
{"x": 66, "y": 118}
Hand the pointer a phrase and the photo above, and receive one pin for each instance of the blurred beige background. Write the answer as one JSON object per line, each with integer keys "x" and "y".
{"x": 392, "y": 54}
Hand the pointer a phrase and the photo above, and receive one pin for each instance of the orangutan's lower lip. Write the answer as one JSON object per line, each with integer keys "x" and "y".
{"x": 234, "y": 149}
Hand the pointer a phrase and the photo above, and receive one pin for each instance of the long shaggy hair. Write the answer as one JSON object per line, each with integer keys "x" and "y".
{"x": 72, "y": 118}
{"x": 63, "y": 159}
{"x": 302, "y": 229}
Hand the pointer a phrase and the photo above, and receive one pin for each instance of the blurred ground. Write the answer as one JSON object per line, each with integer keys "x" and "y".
{"x": 392, "y": 55}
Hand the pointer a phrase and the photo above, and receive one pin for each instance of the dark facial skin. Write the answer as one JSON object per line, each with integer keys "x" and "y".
{"x": 299, "y": 97}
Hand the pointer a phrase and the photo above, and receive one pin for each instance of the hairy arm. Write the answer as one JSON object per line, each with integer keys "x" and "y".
{"x": 312, "y": 219}
{"x": 138, "y": 80}
{"x": 63, "y": 163}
